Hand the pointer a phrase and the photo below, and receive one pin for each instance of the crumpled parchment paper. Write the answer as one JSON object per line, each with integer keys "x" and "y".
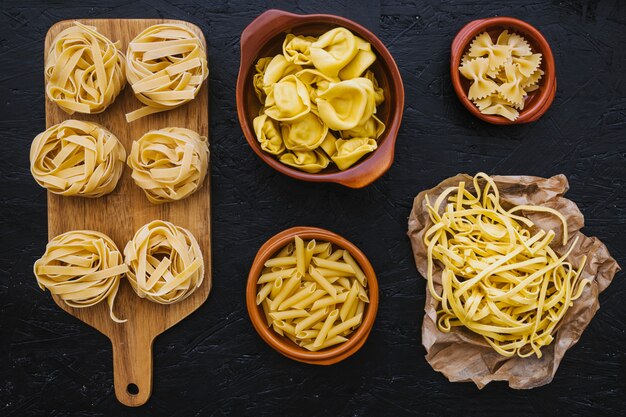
{"x": 462, "y": 355}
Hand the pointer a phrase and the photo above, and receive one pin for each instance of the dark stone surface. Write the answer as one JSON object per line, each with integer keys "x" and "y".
{"x": 214, "y": 363}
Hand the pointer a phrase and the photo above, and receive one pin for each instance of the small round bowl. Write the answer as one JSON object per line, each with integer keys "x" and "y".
{"x": 538, "y": 101}
{"x": 282, "y": 344}
{"x": 264, "y": 37}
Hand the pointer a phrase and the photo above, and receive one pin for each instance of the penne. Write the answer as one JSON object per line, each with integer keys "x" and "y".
{"x": 344, "y": 282}
{"x": 322, "y": 281}
{"x": 345, "y": 326}
{"x": 328, "y": 324}
{"x": 286, "y": 251}
{"x": 360, "y": 308}
{"x": 266, "y": 311}
{"x": 307, "y": 334}
{"x": 328, "y": 301}
{"x": 300, "y": 258}
{"x": 336, "y": 255}
{"x": 333, "y": 265}
{"x": 286, "y": 289}
{"x": 311, "y": 320}
{"x": 347, "y": 305}
{"x": 278, "y": 284}
{"x": 310, "y": 299}
{"x": 317, "y": 326}
{"x": 285, "y": 327}
{"x": 358, "y": 272}
{"x": 264, "y": 292}
{"x": 332, "y": 273}
{"x": 271, "y": 276}
{"x": 282, "y": 261}
{"x": 322, "y": 247}
{"x": 363, "y": 294}
{"x": 289, "y": 314}
{"x": 298, "y": 296}
{"x": 329, "y": 342}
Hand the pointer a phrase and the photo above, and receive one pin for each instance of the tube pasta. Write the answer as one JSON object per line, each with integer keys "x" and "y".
{"x": 169, "y": 164}
{"x": 315, "y": 310}
{"x": 76, "y": 158}
{"x": 166, "y": 66}
{"x": 165, "y": 263}
{"x": 315, "y": 91}
{"x": 82, "y": 268}
{"x": 501, "y": 279}
{"x": 84, "y": 70}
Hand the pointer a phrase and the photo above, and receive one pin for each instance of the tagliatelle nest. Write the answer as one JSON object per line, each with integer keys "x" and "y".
{"x": 169, "y": 164}
{"x": 165, "y": 262}
{"x": 84, "y": 70}
{"x": 166, "y": 66}
{"x": 83, "y": 268}
{"x": 76, "y": 158}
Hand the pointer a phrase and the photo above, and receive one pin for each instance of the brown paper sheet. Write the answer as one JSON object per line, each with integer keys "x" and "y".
{"x": 462, "y": 355}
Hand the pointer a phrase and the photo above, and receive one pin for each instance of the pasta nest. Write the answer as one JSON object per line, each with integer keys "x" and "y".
{"x": 169, "y": 164}
{"x": 166, "y": 66}
{"x": 76, "y": 158}
{"x": 82, "y": 267}
{"x": 84, "y": 70}
{"x": 500, "y": 279}
{"x": 165, "y": 263}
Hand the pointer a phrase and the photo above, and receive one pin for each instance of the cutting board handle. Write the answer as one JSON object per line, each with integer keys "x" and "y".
{"x": 132, "y": 368}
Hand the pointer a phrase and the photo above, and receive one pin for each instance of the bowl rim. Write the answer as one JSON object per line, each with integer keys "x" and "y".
{"x": 547, "y": 92}
{"x": 280, "y": 343}
{"x": 366, "y": 170}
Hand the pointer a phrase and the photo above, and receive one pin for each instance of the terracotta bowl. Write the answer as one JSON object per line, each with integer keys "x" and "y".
{"x": 538, "y": 101}
{"x": 264, "y": 37}
{"x": 282, "y": 344}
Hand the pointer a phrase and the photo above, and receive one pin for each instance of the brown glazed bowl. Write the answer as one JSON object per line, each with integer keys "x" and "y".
{"x": 538, "y": 101}
{"x": 282, "y": 344}
{"x": 264, "y": 37}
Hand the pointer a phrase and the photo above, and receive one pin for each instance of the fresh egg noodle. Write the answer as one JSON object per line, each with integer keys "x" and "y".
{"x": 76, "y": 158}
{"x": 165, "y": 263}
{"x": 83, "y": 268}
{"x": 84, "y": 70}
{"x": 166, "y": 66}
{"x": 169, "y": 164}
{"x": 313, "y": 294}
{"x": 501, "y": 278}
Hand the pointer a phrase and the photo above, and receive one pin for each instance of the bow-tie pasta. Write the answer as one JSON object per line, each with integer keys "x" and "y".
{"x": 319, "y": 89}
{"x": 502, "y": 73}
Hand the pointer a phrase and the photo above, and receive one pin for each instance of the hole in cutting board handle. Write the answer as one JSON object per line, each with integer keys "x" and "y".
{"x": 132, "y": 389}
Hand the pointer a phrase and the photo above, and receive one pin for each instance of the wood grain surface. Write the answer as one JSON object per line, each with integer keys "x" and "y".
{"x": 121, "y": 213}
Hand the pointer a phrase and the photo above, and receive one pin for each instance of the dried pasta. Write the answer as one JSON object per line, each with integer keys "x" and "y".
{"x": 84, "y": 70}
{"x": 502, "y": 73}
{"x": 76, "y": 158}
{"x": 165, "y": 263}
{"x": 166, "y": 65}
{"x": 315, "y": 310}
{"x": 319, "y": 89}
{"x": 501, "y": 277}
{"x": 81, "y": 267}
{"x": 169, "y": 164}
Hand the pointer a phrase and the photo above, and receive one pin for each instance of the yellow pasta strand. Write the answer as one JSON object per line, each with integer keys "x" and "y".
{"x": 498, "y": 280}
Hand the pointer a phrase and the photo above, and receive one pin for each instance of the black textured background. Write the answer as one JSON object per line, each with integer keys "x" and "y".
{"x": 214, "y": 363}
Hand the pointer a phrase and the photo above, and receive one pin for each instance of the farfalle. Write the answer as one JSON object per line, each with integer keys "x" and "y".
{"x": 268, "y": 134}
{"x": 296, "y": 49}
{"x": 512, "y": 90}
{"x": 333, "y": 51}
{"x": 372, "y": 128}
{"x": 308, "y": 161}
{"x": 351, "y": 150}
{"x": 528, "y": 65}
{"x": 495, "y": 104}
{"x": 288, "y": 99}
{"x": 483, "y": 46}
{"x": 305, "y": 133}
{"x": 519, "y": 46}
{"x": 532, "y": 80}
{"x": 476, "y": 70}
{"x": 347, "y": 104}
{"x": 363, "y": 59}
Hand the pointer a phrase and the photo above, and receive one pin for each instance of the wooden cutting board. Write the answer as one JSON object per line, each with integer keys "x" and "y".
{"x": 121, "y": 213}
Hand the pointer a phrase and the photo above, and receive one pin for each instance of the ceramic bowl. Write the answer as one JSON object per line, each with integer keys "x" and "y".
{"x": 284, "y": 345}
{"x": 264, "y": 37}
{"x": 537, "y": 102}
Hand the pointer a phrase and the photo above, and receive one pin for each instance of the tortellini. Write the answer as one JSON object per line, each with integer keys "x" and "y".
{"x": 502, "y": 73}
{"x": 316, "y": 91}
